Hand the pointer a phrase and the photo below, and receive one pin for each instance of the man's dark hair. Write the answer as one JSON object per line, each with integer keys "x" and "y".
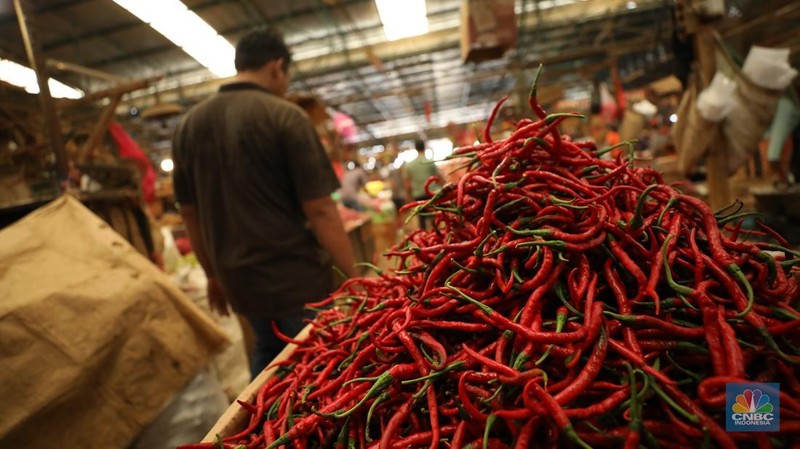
{"x": 419, "y": 144}
{"x": 259, "y": 47}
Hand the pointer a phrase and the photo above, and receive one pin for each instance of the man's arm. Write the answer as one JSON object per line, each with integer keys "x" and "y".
{"x": 216, "y": 299}
{"x": 326, "y": 224}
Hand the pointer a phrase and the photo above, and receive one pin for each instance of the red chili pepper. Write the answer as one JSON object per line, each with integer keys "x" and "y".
{"x": 307, "y": 424}
{"x": 589, "y": 372}
{"x": 487, "y": 135}
{"x": 623, "y": 303}
{"x": 733, "y": 352}
{"x": 652, "y": 322}
{"x": 489, "y": 363}
{"x": 395, "y": 422}
{"x": 555, "y": 412}
{"x": 722, "y": 438}
{"x": 466, "y": 402}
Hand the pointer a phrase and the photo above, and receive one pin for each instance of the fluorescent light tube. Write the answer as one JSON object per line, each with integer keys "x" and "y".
{"x": 24, "y": 77}
{"x": 402, "y": 18}
{"x": 187, "y": 30}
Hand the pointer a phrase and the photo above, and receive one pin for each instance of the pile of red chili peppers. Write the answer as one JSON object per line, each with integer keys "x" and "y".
{"x": 563, "y": 299}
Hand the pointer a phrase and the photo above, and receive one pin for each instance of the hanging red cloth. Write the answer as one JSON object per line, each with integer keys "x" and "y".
{"x": 620, "y": 93}
{"x": 129, "y": 149}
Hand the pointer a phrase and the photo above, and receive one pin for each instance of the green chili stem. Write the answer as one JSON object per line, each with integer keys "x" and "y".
{"x": 489, "y": 423}
{"x": 561, "y": 319}
{"x": 671, "y": 202}
{"x": 674, "y": 285}
{"x": 383, "y": 396}
{"x": 459, "y": 364}
{"x": 636, "y": 219}
{"x": 739, "y": 275}
{"x": 484, "y": 308}
{"x": 683, "y": 412}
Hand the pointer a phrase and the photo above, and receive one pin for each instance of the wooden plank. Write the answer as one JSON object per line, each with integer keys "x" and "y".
{"x": 111, "y": 92}
{"x": 81, "y": 70}
{"x": 99, "y": 129}
{"x": 235, "y": 417}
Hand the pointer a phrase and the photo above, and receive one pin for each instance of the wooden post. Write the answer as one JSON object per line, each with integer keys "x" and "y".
{"x": 53, "y": 128}
{"x": 719, "y": 188}
{"x": 99, "y": 129}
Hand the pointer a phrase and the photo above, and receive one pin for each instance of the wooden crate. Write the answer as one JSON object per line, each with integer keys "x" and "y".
{"x": 235, "y": 417}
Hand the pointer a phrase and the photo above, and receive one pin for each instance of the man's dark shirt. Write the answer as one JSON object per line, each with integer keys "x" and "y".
{"x": 247, "y": 159}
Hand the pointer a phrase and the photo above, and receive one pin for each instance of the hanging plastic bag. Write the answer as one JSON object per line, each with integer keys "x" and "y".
{"x": 645, "y": 108}
{"x": 769, "y": 67}
{"x": 717, "y": 100}
{"x": 692, "y": 133}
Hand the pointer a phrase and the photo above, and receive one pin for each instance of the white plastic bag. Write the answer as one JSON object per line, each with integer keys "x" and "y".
{"x": 769, "y": 67}
{"x": 709, "y": 9}
{"x": 188, "y": 417}
{"x": 645, "y": 108}
{"x": 716, "y": 101}
{"x": 171, "y": 255}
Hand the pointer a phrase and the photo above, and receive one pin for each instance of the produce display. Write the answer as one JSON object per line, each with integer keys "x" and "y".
{"x": 562, "y": 299}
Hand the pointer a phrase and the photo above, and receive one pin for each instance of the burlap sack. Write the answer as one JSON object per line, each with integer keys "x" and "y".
{"x": 95, "y": 339}
{"x": 632, "y": 125}
{"x": 745, "y": 125}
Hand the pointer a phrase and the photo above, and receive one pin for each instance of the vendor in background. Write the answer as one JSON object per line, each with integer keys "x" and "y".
{"x": 660, "y": 139}
{"x": 353, "y": 182}
{"x": 783, "y": 156}
{"x": 395, "y": 177}
{"x": 417, "y": 173}
{"x": 255, "y": 188}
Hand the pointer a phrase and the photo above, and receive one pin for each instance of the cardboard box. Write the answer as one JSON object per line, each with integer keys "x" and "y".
{"x": 488, "y": 29}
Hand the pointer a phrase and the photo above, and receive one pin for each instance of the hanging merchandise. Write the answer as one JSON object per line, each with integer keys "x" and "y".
{"x": 129, "y": 149}
{"x": 769, "y": 67}
{"x": 344, "y": 125}
{"x": 709, "y": 9}
{"x": 644, "y": 107}
{"x": 744, "y": 126}
{"x": 619, "y": 92}
{"x": 716, "y": 101}
{"x": 692, "y": 133}
{"x": 488, "y": 29}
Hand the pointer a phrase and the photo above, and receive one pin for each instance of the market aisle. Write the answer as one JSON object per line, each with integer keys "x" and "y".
{"x": 230, "y": 366}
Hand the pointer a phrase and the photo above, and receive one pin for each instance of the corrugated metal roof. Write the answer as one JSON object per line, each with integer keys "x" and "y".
{"x": 342, "y": 56}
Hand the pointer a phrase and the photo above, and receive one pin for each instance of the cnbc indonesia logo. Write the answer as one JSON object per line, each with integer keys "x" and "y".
{"x": 751, "y": 408}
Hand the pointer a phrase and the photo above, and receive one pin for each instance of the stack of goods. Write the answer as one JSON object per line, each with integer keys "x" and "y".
{"x": 562, "y": 300}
